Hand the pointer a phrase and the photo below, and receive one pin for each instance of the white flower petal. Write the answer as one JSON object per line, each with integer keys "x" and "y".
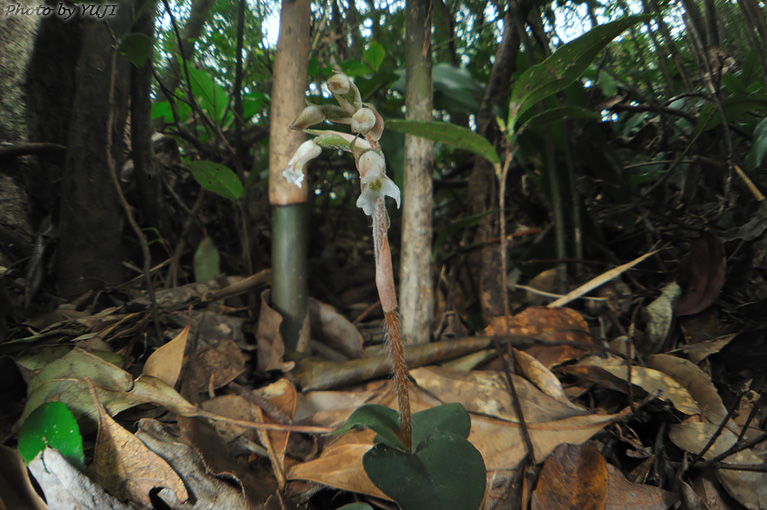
{"x": 374, "y": 188}
{"x": 305, "y": 153}
{"x": 293, "y": 176}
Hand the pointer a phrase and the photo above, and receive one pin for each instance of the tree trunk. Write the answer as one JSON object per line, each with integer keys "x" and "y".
{"x": 482, "y": 182}
{"x": 90, "y": 224}
{"x": 416, "y": 292}
{"x": 289, "y": 214}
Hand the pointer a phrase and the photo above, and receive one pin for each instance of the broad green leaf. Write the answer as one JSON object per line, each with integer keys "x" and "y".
{"x": 451, "y": 418}
{"x": 356, "y": 506}
{"x": 445, "y": 473}
{"x": 758, "y": 148}
{"x": 374, "y": 55}
{"x": 52, "y": 424}
{"x": 563, "y": 67}
{"x": 450, "y": 134}
{"x": 557, "y": 114}
{"x": 207, "y": 261}
{"x": 217, "y": 178}
{"x": 212, "y": 96}
{"x": 137, "y": 48}
{"x": 380, "y": 419}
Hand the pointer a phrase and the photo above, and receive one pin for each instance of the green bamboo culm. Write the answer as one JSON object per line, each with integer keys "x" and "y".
{"x": 289, "y": 270}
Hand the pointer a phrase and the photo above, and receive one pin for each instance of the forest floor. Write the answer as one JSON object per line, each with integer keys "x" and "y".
{"x": 642, "y": 388}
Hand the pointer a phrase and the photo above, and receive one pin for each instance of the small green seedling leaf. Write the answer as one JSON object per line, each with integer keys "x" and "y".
{"x": 450, "y": 134}
{"x": 445, "y": 473}
{"x": 451, "y": 418}
{"x": 563, "y": 67}
{"x": 356, "y": 506}
{"x": 207, "y": 261}
{"x": 137, "y": 48}
{"x": 52, "y": 424}
{"x": 217, "y": 178}
{"x": 374, "y": 55}
{"x": 380, "y": 419}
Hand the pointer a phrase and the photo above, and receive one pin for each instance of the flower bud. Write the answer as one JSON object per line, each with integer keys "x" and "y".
{"x": 363, "y": 121}
{"x": 371, "y": 164}
{"x": 310, "y": 116}
{"x": 339, "y": 84}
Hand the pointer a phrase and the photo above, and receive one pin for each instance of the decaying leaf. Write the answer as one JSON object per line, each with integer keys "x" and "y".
{"x": 334, "y": 330}
{"x": 208, "y": 492}
{"x": 574, "y": 476}
{"x": 706, "y": 270}
{"x": 748, "y": 487}
{"x": 16, "y": 490}
{"x": 548, "y": 324}
{"x": 165, "y": 363}
{"x": 658, "y": 316}
{"x": 624, "y": 495}
{"x": 66, "y": 487}
{"x": 614, "y": 373}
{"x": 126, "y": 467}
{"x": 539, "y": 375}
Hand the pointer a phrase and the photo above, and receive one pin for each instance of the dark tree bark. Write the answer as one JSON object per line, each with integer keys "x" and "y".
{"x": 90, "y": 222}
{"x": 146, "y": 169}
{"x": 482, "y": 182}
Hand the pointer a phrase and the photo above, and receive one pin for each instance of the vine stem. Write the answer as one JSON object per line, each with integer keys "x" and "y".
{"x": 388, "y": 295}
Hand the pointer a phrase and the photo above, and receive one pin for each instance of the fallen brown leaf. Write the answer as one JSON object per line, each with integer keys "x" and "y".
{"x": 573, "y": 477}
{"x": 125, "y": 466}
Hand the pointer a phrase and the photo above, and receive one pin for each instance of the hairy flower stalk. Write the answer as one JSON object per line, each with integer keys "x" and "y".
{"x": 375, "y": 187}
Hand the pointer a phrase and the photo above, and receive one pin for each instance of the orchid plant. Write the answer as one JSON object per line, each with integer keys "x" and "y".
{"x": 423, "y": 461}
{"x": 367, "y": 126}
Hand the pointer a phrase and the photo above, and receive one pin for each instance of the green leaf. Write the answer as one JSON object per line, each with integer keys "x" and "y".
{"x": 374, "y": 55}
{"x": 557, "y": 114}
{"x": 207, "y": 261}
{"x": 759, "y": 147}
{"x": 212, "y": 96}
{"x": 137, "y": 48}
{"x": 380, "y": 419}
{"x": 450, "y": 134}
{"x": 52, "y": 424}
{"x": 451, "y": 418}
{"x": 445, "y": 473}
{"x": 563, "y": 67}
{"x": 217, "y": 178}
{"x": 356, "y": 506}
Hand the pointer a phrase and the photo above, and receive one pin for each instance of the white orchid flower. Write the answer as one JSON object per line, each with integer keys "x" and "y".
{"x": 307, "y": 151}
{"x": 374, "y": 182}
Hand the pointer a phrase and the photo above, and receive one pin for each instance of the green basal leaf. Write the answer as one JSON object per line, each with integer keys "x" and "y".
{"x": 450, "y": 134}
{"x": 451, "y": 418}
{"x": 207, "y": 261}
{"x": 217, "y": 178}
{"x": 52, "y": 425}
{"x": 445, "y": 473}
{"x": 380, "y": 419}
{"x": 563, "y": 67}
{"x": 356, "y": 506}
{"x": 137, "y": 48}
{"x": 374, "y": 55}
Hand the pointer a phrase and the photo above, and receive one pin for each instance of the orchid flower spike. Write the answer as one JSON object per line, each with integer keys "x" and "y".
{"x": 305, "y": 153}
{"x": 374, "y": 182}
